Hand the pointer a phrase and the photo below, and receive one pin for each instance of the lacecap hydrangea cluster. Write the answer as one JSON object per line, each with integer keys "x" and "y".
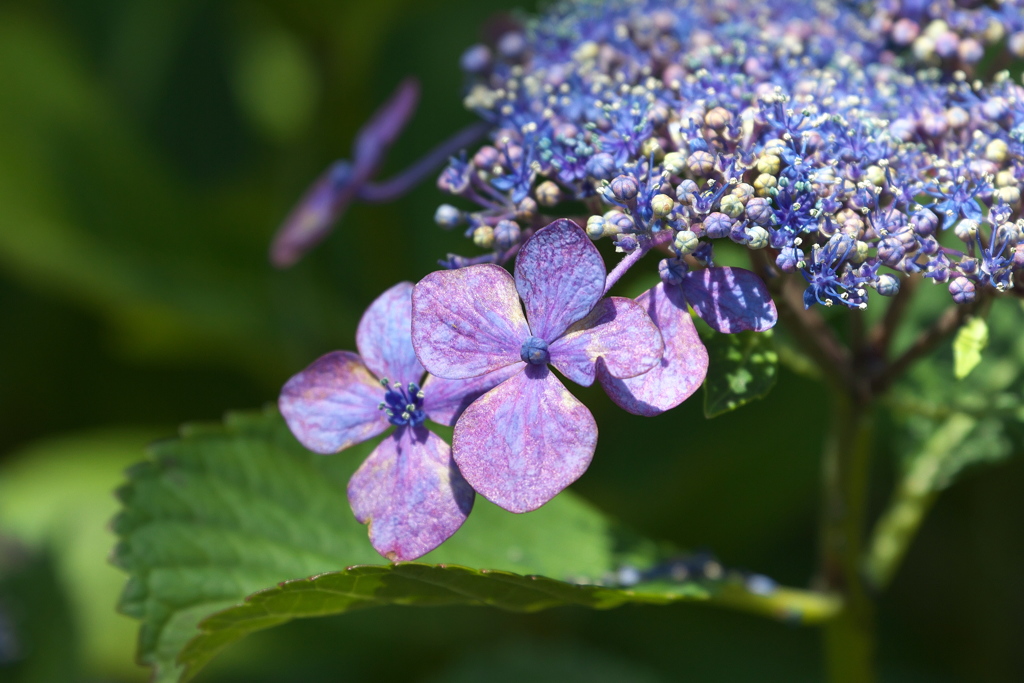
{"x": 798, "y": 127}
{"x": 833, "y": 140}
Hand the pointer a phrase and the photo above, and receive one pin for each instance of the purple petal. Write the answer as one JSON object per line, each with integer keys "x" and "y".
{"x": 410, "y": 493}
{"x": 730, "y": 299}
{"x": 560, "y": 276}
{"x": 316, "y": 213}
{"x": 524, "y": 441}
{"x": 447, "y": 398}
{"x": 681, "y": 369}
{"x": 384, "y": 336}
{"x": 332, "y": 404}
{"x": 467, "y": 322}
{"x": 619, "y": 331}
{"x": 378, "y": 134}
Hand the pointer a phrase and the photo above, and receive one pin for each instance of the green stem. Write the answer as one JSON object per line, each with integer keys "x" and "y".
{"x": 849, "y": 638}
{"x": 791, "y": 605}
{"x": 912, "y": 499}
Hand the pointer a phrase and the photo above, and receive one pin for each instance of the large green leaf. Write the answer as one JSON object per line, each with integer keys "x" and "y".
{"x": 225, "y": 511}
{"x": 741, "y": 368}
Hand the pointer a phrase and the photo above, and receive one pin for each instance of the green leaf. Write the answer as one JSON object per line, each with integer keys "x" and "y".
{"x": 225, "y": 511}
{"x": 741, "y": 368}
{"x": 970, "y": 341}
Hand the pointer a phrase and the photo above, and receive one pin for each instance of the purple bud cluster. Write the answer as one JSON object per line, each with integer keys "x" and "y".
{"x": 796, "y": 127}
{"x": 951, "y": 34}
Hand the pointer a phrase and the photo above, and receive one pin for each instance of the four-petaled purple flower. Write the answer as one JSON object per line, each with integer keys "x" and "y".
{"x": 528, "y": 438}
{"x": 409, "y": 490}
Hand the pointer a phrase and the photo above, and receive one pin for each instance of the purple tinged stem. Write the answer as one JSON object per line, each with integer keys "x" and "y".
{"x": 633, "y": 257}
{"x": 398, "y": 185}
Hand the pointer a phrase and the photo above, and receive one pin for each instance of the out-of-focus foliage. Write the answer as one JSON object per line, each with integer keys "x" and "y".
{"x": 147, "y": 151}
{"x": 741, "y": 368}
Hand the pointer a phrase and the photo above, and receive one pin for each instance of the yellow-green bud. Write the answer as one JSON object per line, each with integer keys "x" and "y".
{"x": 548, "y": 193}
{"x": 595, "y": 227}
{"x": 674, "y": 163}
{"x": 652, "y": 146}
{"x": 743, "y": 192}
{"x": 996, "y": 151}
{"x": 764, "y": 183}
{"x": 875, "y": 175}
{"x": 1009, "y": 195}
{"x": 483, "y": 237}
{"x": 662, "y": 205}
{"x": 732, "y": 206}
{"x": 686, "y": 242}
{"x": 1005, "y": 179}
{"x": 769, "y": 163}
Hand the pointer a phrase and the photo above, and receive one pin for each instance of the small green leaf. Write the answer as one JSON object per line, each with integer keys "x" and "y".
{"x": 970, "y": 341}
{"x": 741, "y": 368}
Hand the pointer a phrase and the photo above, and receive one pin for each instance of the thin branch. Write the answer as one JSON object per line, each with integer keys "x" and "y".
{"x": 882, "y": 334}
{"x": 808, "y": 327}
{"x": 948, "y": 323}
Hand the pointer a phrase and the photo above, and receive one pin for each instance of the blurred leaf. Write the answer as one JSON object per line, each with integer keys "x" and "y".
{"x": 38, "y": 641}
{"x": 741, "y": 368}
{"x": 970, "y": 341}
{"x": 410, "y": 584}
{"x": 55, "y": 497}
{"x": 228, "y": 510}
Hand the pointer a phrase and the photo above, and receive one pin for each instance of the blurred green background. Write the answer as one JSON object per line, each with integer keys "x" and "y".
{"x": 147, "y": 152}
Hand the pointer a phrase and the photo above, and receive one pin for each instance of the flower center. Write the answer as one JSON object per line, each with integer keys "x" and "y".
{"x": 403, "y": 405}
{"x": 535, "y": 351}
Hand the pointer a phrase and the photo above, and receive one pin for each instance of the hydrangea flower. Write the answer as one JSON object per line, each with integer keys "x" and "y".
{"x": 409, "y": 490}
{"x": 728, "y": 299}
{"x": 528, "y": 438}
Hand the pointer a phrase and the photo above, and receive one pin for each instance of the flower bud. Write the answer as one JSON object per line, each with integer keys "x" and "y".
{"x": 701, "y": 163}
{"x": 757, "y": 237}
{"x": 966, "y": 229}
{"x": 595, "y": 227}
{"x": 476, "y": 59}
{"x": 887, "y": 285}
{"x": 764, "y": 184}
{"x": 624, "y": 188}
{"x": 483, "y": 236}
{"x": 760, "y": 211}
{"x": 962, "y": 290}
{"x": 662, "y": 205}
{"x": 686, "y": 242}
{"x": 717, "y": 225}
{"x": 732, "y": 206}
{"x": 448, "y": 217}
{"x": 674, "y": 163}
{"x": 601, "y": 166}
{"x": 506, "y": 234}
{"x": 769, "y": 163}
{"x": 548, "y": 193}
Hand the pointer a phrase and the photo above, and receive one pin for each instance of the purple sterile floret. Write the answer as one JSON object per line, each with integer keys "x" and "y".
{"x": 730, "y": 299}
{"x": 312, "y": 218}
{"x": 682, "y": 367}
{"x": 409, "y": 491}
{"x": 528, "y": 438}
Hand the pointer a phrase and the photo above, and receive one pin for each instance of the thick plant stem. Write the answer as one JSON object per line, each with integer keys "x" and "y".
{"x": 849, "y": 638}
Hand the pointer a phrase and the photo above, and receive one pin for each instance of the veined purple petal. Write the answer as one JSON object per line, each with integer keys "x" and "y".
{"x": 384, "y": 336}
{"x": 410, "y": 493}
{"x": 332, "y": 404}
{"x": 313, "y": 217}
{"x": 378, "y": 134}
{"x": 467, "y": 322}
{"x": 730, "y": 299}
{"x": 682, "y": 368}
{"x": 447, "y": 398}
{"x": 524, "y": 441}
{"x": 619, "y": 331}
{"x": 560, "y": 276}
